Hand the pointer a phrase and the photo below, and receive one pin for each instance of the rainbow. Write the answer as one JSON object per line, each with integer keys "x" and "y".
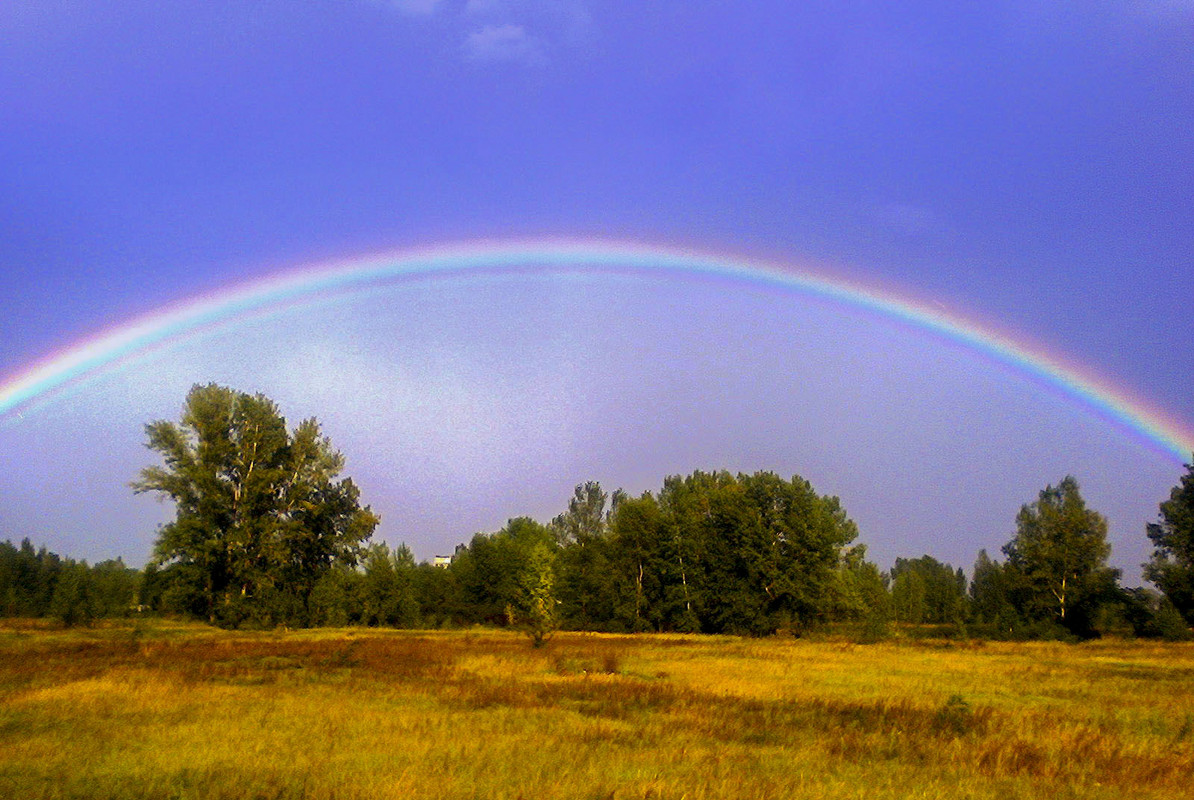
{"x": 124, "y": 343}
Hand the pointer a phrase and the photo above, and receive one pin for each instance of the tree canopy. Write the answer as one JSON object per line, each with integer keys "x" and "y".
{"x": 1058, "y": 558}
{"x": 260, "y": 514}
{"x": 925, "y": 590}
{"x": 1171, "y": 567}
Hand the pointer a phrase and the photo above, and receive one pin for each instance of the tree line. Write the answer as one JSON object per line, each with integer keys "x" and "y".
{"x": 266, "y": 533}
{"x": 38, "y": 583}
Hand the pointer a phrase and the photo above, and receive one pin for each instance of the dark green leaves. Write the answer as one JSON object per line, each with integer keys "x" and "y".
{"x": 260, "y": 514}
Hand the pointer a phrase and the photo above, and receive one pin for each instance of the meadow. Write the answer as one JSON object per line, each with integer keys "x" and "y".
{"x": 160, "y": 709}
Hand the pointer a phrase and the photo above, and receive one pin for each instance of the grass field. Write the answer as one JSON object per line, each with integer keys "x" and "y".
{"x": 166, "y": 710}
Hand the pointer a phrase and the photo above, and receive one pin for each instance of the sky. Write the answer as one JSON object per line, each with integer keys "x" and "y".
{"x": 1026, "y": 166}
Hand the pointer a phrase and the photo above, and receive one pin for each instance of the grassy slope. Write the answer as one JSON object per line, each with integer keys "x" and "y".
{"x": 185, "y": 711}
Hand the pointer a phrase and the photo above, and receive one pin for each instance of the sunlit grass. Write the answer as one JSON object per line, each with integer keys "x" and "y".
{"x": 172, "y": 710}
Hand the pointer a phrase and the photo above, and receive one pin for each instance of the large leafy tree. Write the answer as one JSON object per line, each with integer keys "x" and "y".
{"x": 1171, "y": 567}
{"x": 28, "y": 578}
{"x": 722, "y": 553}
{"x": 386, "y": 588}
{"x": 261, "y": 515}
{"x": 1058, "y": 558}
{"x": 761, "y": 550}
{"x": 637, "y": 562}
{"x": 583, "y": 565}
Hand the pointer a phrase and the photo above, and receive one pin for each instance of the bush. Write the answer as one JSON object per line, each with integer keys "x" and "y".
{"x": 1169, "y": 623}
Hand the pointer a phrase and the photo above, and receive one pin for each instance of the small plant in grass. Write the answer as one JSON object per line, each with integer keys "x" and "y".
{"x": 1186, "y": 730}
{"x": 955, "y": 716}
{"x": 611, "y": 663}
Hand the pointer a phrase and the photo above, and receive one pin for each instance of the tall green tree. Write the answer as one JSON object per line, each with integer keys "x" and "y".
{"x": 1058, "y": 559}
{"x": 925, "y": 590}
{"x": 1171, "y": 567}
{"x": 336, "y": 599}
{"x": 803, "y": 535}
{"x": 584, "y": 583}
{"x": 860, "y": 593}
{"x": 637, "y": 560}
{"x": 439, "y": 596}
{"x": 386, "y": 589}
{"x": 28, "y": 577}
{"x": 114, "y": 588}
{"x": 260, "y": 514}
{"x": 990, "y": 597}
{"x": 717, "y": 552}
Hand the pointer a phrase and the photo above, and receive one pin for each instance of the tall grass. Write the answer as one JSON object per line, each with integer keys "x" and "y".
{"x": 178, "y": 711}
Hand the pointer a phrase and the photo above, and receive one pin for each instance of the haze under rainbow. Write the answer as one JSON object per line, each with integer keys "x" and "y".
{"x": 123, "y": 344}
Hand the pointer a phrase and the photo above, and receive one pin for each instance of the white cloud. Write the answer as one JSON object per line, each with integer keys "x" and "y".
{"x": 415, "y": 8}
{"x": 572, "y": 12}
{"x": 511, "y": 31}
{"x": 504, "y": 43}
{"x": 566, "y": 21}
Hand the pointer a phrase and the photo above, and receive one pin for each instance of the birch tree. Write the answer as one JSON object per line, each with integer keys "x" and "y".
{"x": 1059, "y": 556}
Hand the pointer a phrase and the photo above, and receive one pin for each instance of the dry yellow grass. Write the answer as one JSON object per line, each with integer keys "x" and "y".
{"x": 183, "y": 711}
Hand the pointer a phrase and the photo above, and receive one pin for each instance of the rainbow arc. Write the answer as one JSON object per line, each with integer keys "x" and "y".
{"x": 123, "y": 343}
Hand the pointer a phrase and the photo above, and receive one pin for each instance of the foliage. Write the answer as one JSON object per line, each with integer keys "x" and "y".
{"x": 336, "y": 599}
{"x": 536, "y": 609}
{"x": 386, "y": 587}
{"x": 1154, "y": 617}
{"x": 260, "y": 516}
{"x": 38, "y": 583}
{"x": 27, "y": 579}
{"x": 583, "y": 566}
{"x": 925, "y": 590}
{"x": 72, "y": 602}
{"x": 636, "y": 533}
{"x": 991, "y": 607}
{"x": 1057, "y": 562}
{"x": 1171, "y": 567}
{"x": 492, "y": 571}
{"x": 860, "y": 591}
{"x": 710, "y": 552}
{"x": 720, "y": 553}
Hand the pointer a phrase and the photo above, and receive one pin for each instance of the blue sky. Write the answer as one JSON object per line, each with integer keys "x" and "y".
{"x": 1027, "y": 164}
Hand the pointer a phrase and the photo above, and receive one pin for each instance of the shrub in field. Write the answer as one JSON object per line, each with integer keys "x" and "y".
{"x": 955, "y": 716}
{"x": 536, "y": 595}
{"x": 72, "y": 603}
{"x": 1153, "y": 617}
